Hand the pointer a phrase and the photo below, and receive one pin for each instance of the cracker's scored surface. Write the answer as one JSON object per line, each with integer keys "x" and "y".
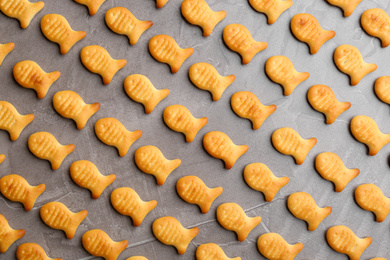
{"x": 370, "y": 197}
{"x": 11, "y": 121}
{"x": 93, "y": 5}
{"x": 5, "y": 49}
{"x": 211, "y": 251}
{"x": 22, "y": 10}
{"x": 272, "y": 8}
{"x": 29, "y": 251}
{"x": 348, "y": 6}
{"x": 8, "y": 235}
{"x": 274, "y": 247}
{"x": 376, "y": 22}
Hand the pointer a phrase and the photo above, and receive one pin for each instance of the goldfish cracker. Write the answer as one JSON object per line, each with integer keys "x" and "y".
{"x": 22, "y": 10}
{"x": 8, "y": 235}
{"x": 12, "y": 121}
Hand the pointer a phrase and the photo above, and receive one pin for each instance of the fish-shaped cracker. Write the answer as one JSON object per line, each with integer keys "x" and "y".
{"x": 2, "y": 158}
{"x": 349, "y": 60}
{"x": 376, "y": 22}
{"x": 169, "y": 231}
{"x": 150, "y": 160}
{"x": 371, "y": 198}
{"x": 8, "y": 235}
{"x": 272, "y": 8}
{"x": 45, "y": 146}
{"x": 111, "y": 132}
{"x": 30, "y": 75}
{"x": 56, "y": 215}
{"x": 15, "y": 188}
{"x": 93, "y": 5}
{"x": 198, "y": 12}
{"x": 11, "y": 121}
{"x": 238, "y": 38}
{"x": 246, "y": 105}
{"x": 161, "y": 3}
{"x": 30, "y": 251}
{"x": 348, "y": 6}
{"x": 121, "y": 21}
{"x": 382, "y": 88}
{"x": 211, "y": 251}
{"x": 193, "y": 190}
{"x": 137, "y": 258}
{"x": 5, "y": 49}
{"x": 165, "y": 49}
{"x": 22, "y": 10}
{"x": 85, "y": 174}
{"x": 273, "y": 246}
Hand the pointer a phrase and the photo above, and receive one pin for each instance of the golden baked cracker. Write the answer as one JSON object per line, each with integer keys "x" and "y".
{"x": 179, "y": 119}
{"x": 97, "y": 60}
{"x": 348, "y": 6}
{"x": 370, "y": 197}
{"x": 165, "y": 49}
{"x": 273, "y": 246}
{"x": 331, "y": 167}
{"x": 238, "y": 38}
{"x": 121, "y": 21}
{"x": 272, "y": 8}
{"x": 8, "y": 235}
{"x": 2, "y": 158}
{"x": 85, "y": 174}
{"x": 232, "y": 217}
{"x": 343, "y": 240}
{"x": 212, "y": 251}
{"x": 220, "y": 146}
{"x": 141, "y": 90}
{"x": 150, "y": 160}
{"x": 11, "y": 121}
{"x": 382, "y": 88}
{"x": 376, "y": 22}
{"x": 69, "y": 104}
{"x": 193, "y": 190}
{"x": 322, "y": 99}
{"x": 169, "y": 231}
{"x": 127, "y": 202}
{"x": 45, "y": 146}
{"x": 206, "y": 77}
{"x": 287, "y": 141}
{"x": 5, "y": 49}
{"x": 93, "y": 5}
{"x": 303, "y": 206}
{"x": 161, "y": 3}
{"x": 199, "y": 13}
{"x": 56, "y": 28}
{"x": 246, "y": 105}
{"x": 259, "y": 177}
{"x": 29, "y": 251}
{"x": 366, "y": 131}
{"x": 137, "y": 258}
{"x": 378, "y": 258}
{"x": 111, "y": 132}
{"x": 349, "y": 61}
{"x": 30, "y": 75}
{"x": 22, "y": 10}
{"x": 15, "y": 188}
{"x": 56, "y": 215}
{"x": 306, "y": 28}
{"x": 281, "y": 70}
{"x": 98, "y": 243}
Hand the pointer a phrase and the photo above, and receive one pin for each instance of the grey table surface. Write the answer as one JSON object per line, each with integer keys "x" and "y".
{"x": 292, "y": 111}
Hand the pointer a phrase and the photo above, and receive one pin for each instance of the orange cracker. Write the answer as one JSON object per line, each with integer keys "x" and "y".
{"x": 30, "y": 75}
{"x": 28, "y": 251}
{"x": 15, "y": 188}
{"x": 232, "y": 217}
{"x": 274, "y": 247}
{"x": 11, "y": 121}
{"x": 45, "y": 146}
{"x": 348, "y": 6}
{"x": 165, "y": 49}
{"x": 22, "y": 10}
{"x": 121, "y": 21}
{"x": 343, "y": 240}
{"x": 349, "y": 61}
{"x": 193, "y": 190}
{"x": 366, "y": 131}
{"x": 150, "y": 160}
{"x": 287, "y": 141}
{"x": 127, "y": 202}
{"x": 8, "y": 235}
{"x": 93, "y": 5}
{"x": 238, "y": 38}
{"x": 141, "y": 90}
{"x": 179, "y": 119}
{"x": 212, "y": 251}
{"x": 97, "y": 60}
{"x": 376, "y": 22}
{"x": 370, "y": 197}
{"x": 86, "y": 175}
{"x": 161, "y": 3}
{"x": 98, "y": 243}
{"x": 246, "y": 105}
{"x": 331, "y": 167}
{"x": 137, "y": 258}
{"x": 198, "y": 12}
{"x": 56, "y": 215}
{"x": 204, "y": 76}
{"x": 281, "y": 70}
{"x": 5, "y": 49}
{"x": 382, "y": 88}
{"x": 259, "y": 177}
{"x": 169, "y": 231}
{"x": 111, "y": 132}
{"x": 306, "y": 28}
{"x": 322, "y": 99}
{"x": 2, "y": 158}
{"x": 272, "y": 8}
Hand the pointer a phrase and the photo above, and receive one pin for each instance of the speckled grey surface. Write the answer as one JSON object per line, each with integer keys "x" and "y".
{"x": 293, "y": 111}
